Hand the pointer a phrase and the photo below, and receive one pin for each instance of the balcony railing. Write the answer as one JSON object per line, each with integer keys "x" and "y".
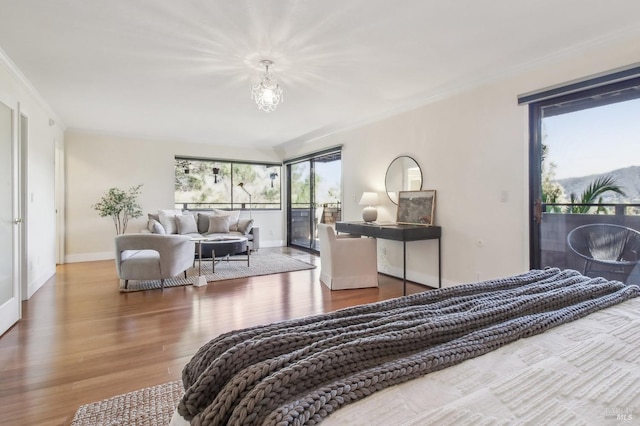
{"x": 558, "y": 219}
{"x": 228, "y": 206}
{"x": 629, "y": 209}
{"x": 336, "y": 205}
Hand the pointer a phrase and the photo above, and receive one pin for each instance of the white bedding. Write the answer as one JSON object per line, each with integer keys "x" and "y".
{"x": 586, "y": 372}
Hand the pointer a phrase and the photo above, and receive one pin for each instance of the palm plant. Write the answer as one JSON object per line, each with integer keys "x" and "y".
{"x": 593, "y": 193}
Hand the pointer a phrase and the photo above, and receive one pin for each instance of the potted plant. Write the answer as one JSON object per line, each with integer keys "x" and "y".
{"x": 120, "y": 206}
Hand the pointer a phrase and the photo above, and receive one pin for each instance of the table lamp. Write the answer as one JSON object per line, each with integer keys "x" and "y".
{"x": 369, "y": 199}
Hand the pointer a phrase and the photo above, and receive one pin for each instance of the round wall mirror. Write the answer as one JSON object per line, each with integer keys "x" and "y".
{"x": 403, "y": 174}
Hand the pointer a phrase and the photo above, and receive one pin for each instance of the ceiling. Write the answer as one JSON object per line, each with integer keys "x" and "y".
{"x": 183, "y": 70}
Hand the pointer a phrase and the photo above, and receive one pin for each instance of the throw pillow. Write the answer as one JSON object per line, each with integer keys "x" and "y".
{"x": 186, "y": 224}
{"x": 155, "y": 227}
{"x": 152, "y": 216}
{"x": 245, "y": 225}
{"x": 169, "y": 212}
{"x": 203, "y": 222}
{"x": 234, "y": 214}
{"x": 219, "y": 224}
{"x": 168, "y": 220}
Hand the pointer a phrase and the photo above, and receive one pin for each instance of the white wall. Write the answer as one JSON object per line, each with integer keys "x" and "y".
{"x": 472, "y": 148}
{"x": 95, "y": 163}
{"x": 39, "y": 194}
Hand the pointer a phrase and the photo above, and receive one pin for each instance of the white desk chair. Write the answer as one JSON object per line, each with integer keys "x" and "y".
{"x": 347, "y": 262}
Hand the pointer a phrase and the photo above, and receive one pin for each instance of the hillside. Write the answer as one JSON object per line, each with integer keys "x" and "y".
{"x": 627, "y": 178}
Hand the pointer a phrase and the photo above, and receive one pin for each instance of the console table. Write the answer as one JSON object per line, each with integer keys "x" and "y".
{"x": 396, "y": 232}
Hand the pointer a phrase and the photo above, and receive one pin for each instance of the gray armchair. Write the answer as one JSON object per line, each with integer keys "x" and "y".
{"x": 153, "y": 256}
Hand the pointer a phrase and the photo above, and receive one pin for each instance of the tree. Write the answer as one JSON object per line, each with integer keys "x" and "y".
{"x": 552, "y": 192}
{"x": 120, "y": 206}
{"x": 300, "y": 185}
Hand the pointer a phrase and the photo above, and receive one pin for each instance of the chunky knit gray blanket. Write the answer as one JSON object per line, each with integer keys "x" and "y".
{"x": 299, "y": 371}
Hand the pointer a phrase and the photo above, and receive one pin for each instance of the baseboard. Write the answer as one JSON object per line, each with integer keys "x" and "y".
{"x": 274, "y": 243}
{"x": 37, "y": 283}
{"x": 415, "y": 277}
{"x": 89, "y": 257}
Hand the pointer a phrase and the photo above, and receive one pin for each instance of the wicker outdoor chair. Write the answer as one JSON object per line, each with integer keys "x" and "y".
{"x": 615, "y": 248}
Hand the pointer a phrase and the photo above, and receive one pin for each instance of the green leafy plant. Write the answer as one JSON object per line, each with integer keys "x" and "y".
{"x": 593, "y": 193}
{"x": 120, "y": 206}
{"x": 553, "y": 192}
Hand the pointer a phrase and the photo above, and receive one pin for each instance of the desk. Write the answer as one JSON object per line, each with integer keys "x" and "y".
{"x": 396, "y": 232}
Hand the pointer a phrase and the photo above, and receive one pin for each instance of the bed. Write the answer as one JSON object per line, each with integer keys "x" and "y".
{"x": 544, "y": 347}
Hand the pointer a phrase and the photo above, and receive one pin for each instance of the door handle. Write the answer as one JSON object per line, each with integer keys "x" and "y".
{"x": 17, "y": 221}
{"x": 537, "y": 211}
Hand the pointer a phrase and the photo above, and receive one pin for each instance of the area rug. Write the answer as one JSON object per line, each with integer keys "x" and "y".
{"x": 152, "y": 406}
{"x": 262, "y": 263}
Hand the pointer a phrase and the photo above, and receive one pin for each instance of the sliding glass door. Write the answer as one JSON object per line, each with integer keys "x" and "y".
{"x": 586, "y": 181}
{"x": 314, "y": 196}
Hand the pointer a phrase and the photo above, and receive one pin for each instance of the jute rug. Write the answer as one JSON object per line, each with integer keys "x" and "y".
{"x": 262, "y": 263}
{"x": 151, "y": 406}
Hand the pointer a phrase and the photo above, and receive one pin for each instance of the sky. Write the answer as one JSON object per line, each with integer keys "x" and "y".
{"x": 594, "y": 140}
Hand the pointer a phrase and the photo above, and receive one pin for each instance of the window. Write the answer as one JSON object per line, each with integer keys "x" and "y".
{"x": 203, "y": 184}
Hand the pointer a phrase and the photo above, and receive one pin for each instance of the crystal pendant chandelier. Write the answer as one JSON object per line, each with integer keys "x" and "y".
{"x": 267, "y": 93}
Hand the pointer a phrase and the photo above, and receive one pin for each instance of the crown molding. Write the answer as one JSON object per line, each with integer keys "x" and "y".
{"x": 30, "y": 88}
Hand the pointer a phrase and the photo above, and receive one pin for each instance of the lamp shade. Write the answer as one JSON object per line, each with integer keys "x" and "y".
{"x": 369, "y": 199}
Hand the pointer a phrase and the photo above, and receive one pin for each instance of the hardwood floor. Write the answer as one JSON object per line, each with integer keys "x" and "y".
{"x": 80, "y": 340}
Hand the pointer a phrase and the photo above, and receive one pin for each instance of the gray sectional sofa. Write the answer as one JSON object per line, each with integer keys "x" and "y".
{"x": 209, "y": 223}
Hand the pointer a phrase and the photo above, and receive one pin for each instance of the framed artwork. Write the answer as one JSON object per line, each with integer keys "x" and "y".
{"x": 416, "y": 207}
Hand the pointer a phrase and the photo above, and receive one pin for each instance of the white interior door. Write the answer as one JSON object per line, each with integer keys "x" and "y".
{"x": 9, "y": 219}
